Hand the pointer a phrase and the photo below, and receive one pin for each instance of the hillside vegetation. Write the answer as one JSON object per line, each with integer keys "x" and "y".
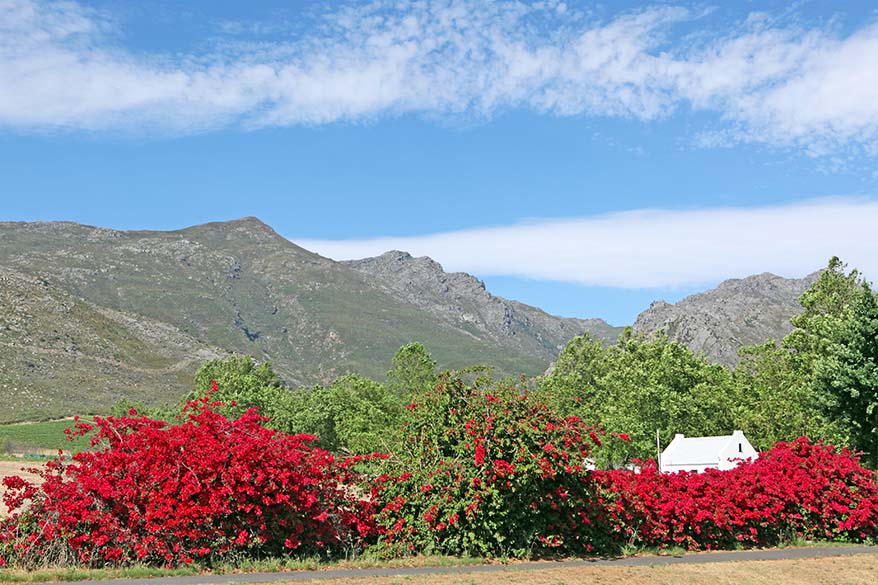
{"x": 90, "y": 315}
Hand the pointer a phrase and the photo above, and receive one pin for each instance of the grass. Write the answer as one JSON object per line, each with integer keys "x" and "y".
{"x": 290, "y": 564}
{"x": 15, "y": 576}
{"x": 247, "y": 566}
{"x": 839, "y": 570}
{"x": 34, "y": 436}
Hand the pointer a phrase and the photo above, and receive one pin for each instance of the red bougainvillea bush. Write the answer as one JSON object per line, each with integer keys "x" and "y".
{"x": 487, "y": 470}
{"x": 203, "y": 489}
{"x": 795, "y": 490}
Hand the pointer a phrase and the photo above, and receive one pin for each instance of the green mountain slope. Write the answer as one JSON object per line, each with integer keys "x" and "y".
{"x": 60, "y": 354}
{"x": 88, "y": 315}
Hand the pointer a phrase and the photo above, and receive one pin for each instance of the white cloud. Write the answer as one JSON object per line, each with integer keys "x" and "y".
{"x": 768, "y": 82}
{"x": 650, "y": 247}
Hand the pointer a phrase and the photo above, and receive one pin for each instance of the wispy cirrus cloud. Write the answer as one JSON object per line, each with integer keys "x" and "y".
{"x": 767, "y": 81}
{"x": 650, "y": 247}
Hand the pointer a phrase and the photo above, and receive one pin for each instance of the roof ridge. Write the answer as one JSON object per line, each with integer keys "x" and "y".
{"x": 709, "y": 437}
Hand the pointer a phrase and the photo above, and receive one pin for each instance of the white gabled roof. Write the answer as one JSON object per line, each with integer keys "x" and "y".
{"x": 702, "y": 452}
{"x": 695, "y": 450}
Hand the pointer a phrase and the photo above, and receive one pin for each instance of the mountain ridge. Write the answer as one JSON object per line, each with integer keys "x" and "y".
{"x": 103, "y": 313}
{"x": 235, "y": 286}
{"x": 460, "y": 298}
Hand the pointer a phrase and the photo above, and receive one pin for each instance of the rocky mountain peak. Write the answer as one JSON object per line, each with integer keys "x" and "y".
{"x": 249, "y": 224}
{"x": 739, "y": 311}
{"x": 463, "y": 301}
{"x": 415, "y": 274}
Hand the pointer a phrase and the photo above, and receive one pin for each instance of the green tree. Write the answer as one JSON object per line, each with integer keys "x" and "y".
{"x": 354, "y": 414}
{"x": 846, "y": 371}
{"x": 815, "y": 382}
{"x": 367, "y": 414}
{"x": 412, "y": 370}
{"x": 652, "y": 384}
{"x": 246, "y": 383}
{"x": 313, "y": 413}
{"x": 637, "y": 386}
{"x": 774, "y": 401}
{"x": 824, "y": 304}
{"x": 572, "y": 381}
{"x": 831, "y": 349}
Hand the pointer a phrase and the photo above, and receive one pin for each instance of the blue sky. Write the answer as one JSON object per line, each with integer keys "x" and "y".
{"x": 585, "y": 160}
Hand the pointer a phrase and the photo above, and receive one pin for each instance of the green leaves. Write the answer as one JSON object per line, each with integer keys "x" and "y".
{"x": 366, "y": 414}
{"x": 485, "y": 468}
{"x": 245, "y": 383}
{"x": 774, "y": 401}
{"x": 413, "y": 370}
{"x": 636, "y": 386}
{"x": 353, "y": 414}
{"x": 846, "y": 371}
{"x": 821, "y": 382}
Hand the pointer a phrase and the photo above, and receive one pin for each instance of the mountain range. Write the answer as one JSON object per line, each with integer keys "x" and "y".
{"x": 89, "y": 315}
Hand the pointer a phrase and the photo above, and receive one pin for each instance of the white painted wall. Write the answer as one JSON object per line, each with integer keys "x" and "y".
{"x": 700, "y": 453}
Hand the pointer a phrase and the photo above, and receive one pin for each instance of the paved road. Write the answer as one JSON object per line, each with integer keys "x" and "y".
{"x": 694, "y": 558}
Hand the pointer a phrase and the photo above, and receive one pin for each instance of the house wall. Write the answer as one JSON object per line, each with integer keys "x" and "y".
{"x": 731, "y": 455}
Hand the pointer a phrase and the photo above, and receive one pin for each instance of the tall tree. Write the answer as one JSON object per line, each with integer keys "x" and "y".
{"x": 367, "y": 415}
{"x": 571, "y": 383}
{"x": 846, "y": 372}
{"x": 412, "y": 370}
{"x": 248, "y": 384}
{"x": 824, "y": 306}
{"x": 354, "y": 414}
{"x": 774, "y": 401}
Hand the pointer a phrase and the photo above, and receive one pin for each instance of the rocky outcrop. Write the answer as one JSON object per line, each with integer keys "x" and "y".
{"x": 738, "y": 312}
{"x": 462, "y": 301}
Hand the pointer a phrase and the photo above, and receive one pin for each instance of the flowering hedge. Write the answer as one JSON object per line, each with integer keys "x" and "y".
{"x": 202, "y": 489}
{"x": 481, "y": 469}
{"x": 488, "y": 470}
{"x": 795, "y": 490}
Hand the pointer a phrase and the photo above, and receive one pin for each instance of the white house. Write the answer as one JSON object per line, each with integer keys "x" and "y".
{"x": 700, "y": 453}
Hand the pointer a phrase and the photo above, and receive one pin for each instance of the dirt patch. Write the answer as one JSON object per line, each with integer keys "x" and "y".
{"x": 842, "y": 570}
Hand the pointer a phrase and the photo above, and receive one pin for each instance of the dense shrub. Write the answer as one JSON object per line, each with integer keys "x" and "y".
{"x": 207, "y": 488}
{"x": 479, "y": 469}
{"x": 487, "y": 470}
{"x": 795, "y": 490}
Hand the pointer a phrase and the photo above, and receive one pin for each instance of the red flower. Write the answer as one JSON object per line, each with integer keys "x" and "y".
{"x": 480, "y": 453}
{"x": 163, "y": 494}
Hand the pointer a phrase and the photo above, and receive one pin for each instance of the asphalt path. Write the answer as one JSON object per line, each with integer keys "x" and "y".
{"x": 685, "y": 559}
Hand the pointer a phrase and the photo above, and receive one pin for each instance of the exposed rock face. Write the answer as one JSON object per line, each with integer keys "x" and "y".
{"x": 89, "y": 315}
{"x": 462, "y": 301}
{"x": 738, "y": 312}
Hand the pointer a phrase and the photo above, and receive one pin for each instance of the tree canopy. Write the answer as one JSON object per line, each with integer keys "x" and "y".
{"x": 820, "y": 381}
{"x": 413, "y": 369}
